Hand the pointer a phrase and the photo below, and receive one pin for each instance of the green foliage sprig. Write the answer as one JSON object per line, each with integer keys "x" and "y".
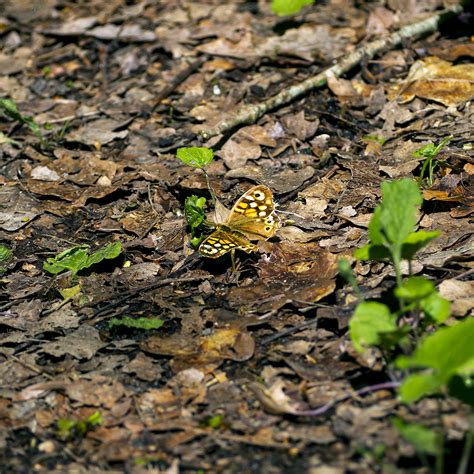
{"x": 78, "y": 258}
{"x": 68, "y": 429}
{"x": 429, "y": 152}
{"x": 440, "y": 361}
{"x": 10, "y": 109}
{"x": 197, "y": 157}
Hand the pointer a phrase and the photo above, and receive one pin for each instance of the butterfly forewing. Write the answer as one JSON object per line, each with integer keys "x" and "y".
{"x": 253, "y": 214}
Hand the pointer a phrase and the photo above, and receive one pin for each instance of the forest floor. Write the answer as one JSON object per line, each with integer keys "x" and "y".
{"x": 230, "y": 356}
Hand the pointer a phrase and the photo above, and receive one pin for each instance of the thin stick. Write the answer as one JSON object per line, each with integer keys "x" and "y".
{"x": 324, "y": 408}
{"x": 251, "y": 113}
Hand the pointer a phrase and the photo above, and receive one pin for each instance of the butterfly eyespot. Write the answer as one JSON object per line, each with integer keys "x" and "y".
{"x": 259, "y": 195}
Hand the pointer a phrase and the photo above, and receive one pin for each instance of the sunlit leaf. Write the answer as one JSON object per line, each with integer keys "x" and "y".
{"x": 198, "y": 157}
{"x": 369, "y": 321}
{"x": 448, "y": 351}
{"x": 289, "y": 7}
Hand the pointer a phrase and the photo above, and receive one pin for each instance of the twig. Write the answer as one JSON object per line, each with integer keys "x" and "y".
{"x": 252, "y": 112}
{"x": 178, "y": 80}
{"x": 324, "y": 408}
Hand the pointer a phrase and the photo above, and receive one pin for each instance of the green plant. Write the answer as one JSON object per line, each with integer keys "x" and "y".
{"x": 289, "y": 7}
{"x": 429, "y": 152}
{"x": 194, "y": 211}
{"x": 197, "y": 157}
{"x": 392, "y": 238}
{"x": 68, "y": 429}
{"x": 5, "y": 255}
{"x": 424, "y": 440}
{"x": 136, "y": 323}
{"x": 78, "y": 258}
{"x": 10, "y": 109}
{"x": 440, "y": 362}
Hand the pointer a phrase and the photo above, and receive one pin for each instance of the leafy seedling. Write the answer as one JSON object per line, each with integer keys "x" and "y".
{"x": 392, "y": 237}
{"x": 195, "y": 217}
{"x": 10, "y": 109}
{"x": 429, "y": 152}
{"x": 78, "y": 258}
{"x": 69, "y": 429}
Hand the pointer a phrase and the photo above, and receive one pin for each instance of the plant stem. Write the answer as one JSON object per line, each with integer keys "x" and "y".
{"x": 211, "y": 191}
{"x": 467, "y": 450}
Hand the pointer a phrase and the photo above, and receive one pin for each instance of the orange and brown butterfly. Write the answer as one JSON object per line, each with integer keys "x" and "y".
{"x": 252, "y": 218}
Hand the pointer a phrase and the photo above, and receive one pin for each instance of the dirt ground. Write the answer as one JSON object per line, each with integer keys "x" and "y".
{"x": 231, "y": 378}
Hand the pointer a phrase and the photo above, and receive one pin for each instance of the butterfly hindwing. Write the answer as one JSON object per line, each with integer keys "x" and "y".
{"x": 223, "y": 240}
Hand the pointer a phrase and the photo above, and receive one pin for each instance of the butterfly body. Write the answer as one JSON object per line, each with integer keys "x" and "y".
{"x": 251, "y": 218}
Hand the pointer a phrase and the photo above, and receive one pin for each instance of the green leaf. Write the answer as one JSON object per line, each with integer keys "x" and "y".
{"x": 398, "y": 209}
{"x": 95, "y": 419}
{"x": 136, "y": 323}
{"x": 196, "y": 241}
{"x": 197, "y": 157}
{"x": 78, "y": 258}
{"x": 215, "y": 422}
{"x": 369, "y": 321}
{"x": 416, "y": 241}
{"x": 109, "y": 252}
{"x": 372, "y": 252}
{"x": 375, "y": 227}
{"x": 10, "y": 108}
{"x": 194, "y": 211}
{"x": 70, "y": 292}
{"x": 415, "y": 288}
{"x": 448, "y": 351}
{"x": 73, "y": 259}
{"x": 374, "y": 138}
{"x": 436, "y": 307}
{"x": 424, "y": 440}
{"x": 431, "y": 150}
{"x": 65, "y": 427}
{"x": 5, "y": 254}
{"x": 289, "y": 7}
{"x": 416, "y": 386}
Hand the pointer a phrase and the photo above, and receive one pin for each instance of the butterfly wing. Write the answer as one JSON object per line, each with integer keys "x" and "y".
{"x": 223, "y": 240}
{"x": 254, "y": 214}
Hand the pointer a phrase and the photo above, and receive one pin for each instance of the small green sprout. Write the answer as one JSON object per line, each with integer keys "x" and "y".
{"x": 69, "y": 429}
{"x": 429, "y": 152}
{"x": 10, "y": 109}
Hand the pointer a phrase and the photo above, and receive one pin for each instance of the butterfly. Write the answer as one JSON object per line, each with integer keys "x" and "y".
{"x": 252, "y": 218}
